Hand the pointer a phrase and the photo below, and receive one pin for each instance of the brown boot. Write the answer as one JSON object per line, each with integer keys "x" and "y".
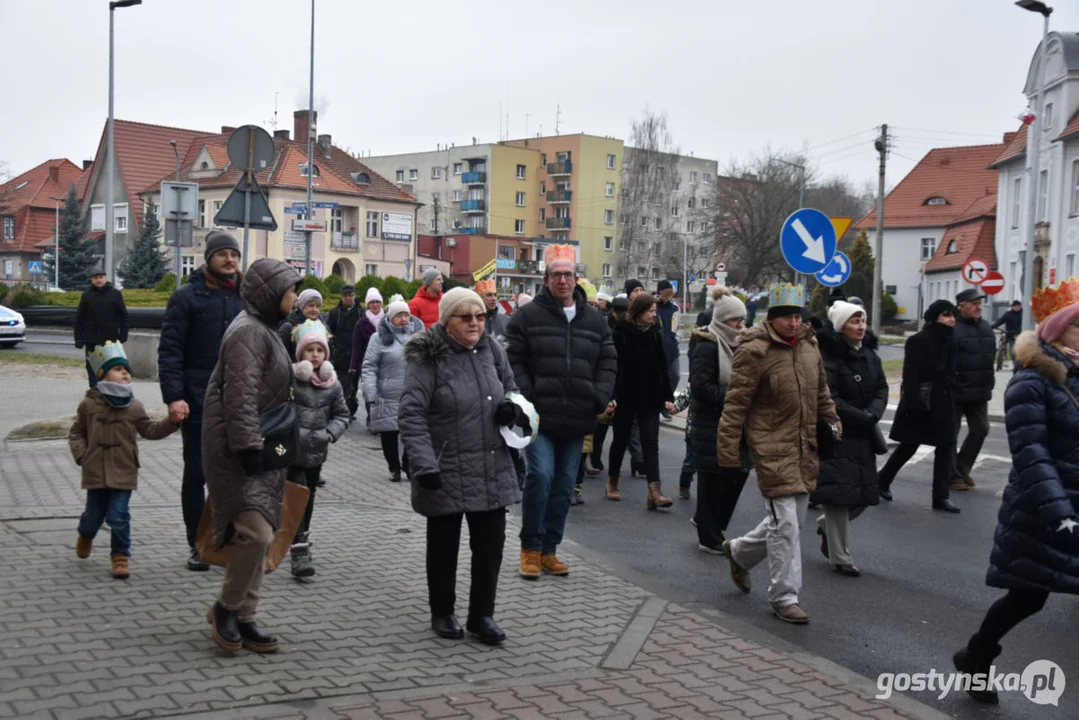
{"x": 530, "y": 564}
{"x": 612, "y": 489}
{"x": 970, "y": 481}
{"x": 553, "y": 566}
{"x": 656, "y": 501}
{"x": 83, "y": 547}
{"x": 120, "y": 570}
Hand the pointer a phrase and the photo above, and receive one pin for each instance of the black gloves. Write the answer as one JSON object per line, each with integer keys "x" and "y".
{"x": 353, "y": 375}
{"x": 505, "y": 413}
{"x": 430, "y": 481}
{"x": 251, "y": 462}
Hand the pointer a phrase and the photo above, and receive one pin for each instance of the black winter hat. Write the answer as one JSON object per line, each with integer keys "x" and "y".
{"x": 664, "y": 285}
{"x": 632, "y": 285}
{"x": 936, "y": 308}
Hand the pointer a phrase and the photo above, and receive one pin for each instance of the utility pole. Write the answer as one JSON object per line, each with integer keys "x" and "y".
{"x": 177, "y": 257}
{"x": 309, "y": 208}
{"x": 436, "y": 215}
{"x": 878, "y": 247}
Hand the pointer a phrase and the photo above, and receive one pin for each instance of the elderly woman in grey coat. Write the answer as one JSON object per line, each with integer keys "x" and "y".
{"x": 456, "y": 379}
{"x": 384, "y": 378}
{"x": 252, "y": 377}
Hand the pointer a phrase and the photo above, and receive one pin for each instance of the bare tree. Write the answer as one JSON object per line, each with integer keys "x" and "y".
{"x": 648, "y": 233}
{"x": 837, "y": 198}
{"x": 6, "y": 191}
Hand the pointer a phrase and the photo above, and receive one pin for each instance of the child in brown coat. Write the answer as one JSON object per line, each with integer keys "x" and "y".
{"x": 103, "y": 443}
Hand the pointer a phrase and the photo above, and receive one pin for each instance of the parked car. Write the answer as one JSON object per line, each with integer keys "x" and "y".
{"x": 12, "y": 328}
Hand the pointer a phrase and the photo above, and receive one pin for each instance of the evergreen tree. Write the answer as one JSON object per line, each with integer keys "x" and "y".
{"x": 145, "y": 265}
{"x": 860, "y": 282}
{"x": 77, "y": 257}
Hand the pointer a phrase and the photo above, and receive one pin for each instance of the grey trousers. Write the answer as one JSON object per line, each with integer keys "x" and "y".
{"x": 834, "y": 523}
{"x": 247, "y": 563}
{"x": 776, "y": 538}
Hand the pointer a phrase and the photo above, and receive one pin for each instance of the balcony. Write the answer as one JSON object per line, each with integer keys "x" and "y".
{"x": 558, "y": 224}
{"x": 473, "y": 206}
{"x": 559, "y": 196}
{"x": 528, "y": 267}
{"x": 474, "y": 178}
{"x": 559, "y": 168}
{"x": 345, "y": 242}
{"x": 471, "y": 230}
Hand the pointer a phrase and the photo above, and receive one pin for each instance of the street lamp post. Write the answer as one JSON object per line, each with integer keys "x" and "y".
{"x": 1033, "y": 157}
{"x": 310, "y": 145}
{"x": 176, "y": 256}
{"x": 56, "y": 246}
{"x": 110, "y": 159}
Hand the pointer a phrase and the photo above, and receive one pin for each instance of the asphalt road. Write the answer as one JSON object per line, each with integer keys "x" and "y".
{"x": 46, "y": 343}
{"x": 922, "y": 591}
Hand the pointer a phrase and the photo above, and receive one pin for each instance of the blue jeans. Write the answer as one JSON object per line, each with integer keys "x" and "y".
{"x": 108, "y": 504}
{"x": 548, "y": 492}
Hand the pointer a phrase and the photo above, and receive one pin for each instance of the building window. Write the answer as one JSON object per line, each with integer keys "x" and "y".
{"x": 641, "y": 272}
{"x": 413, "y": 175}
{"x": 690, "y": 226}
{"x": 658, "y": 225}
{"x": 303, "y": 170}
{"x": 952, "y": 248}
{"x": 372, "y": 225}
{"x": 610, "y": 162}
{"x": 543, "y": 187}
{"x": 1043, "y": 196}
{"x": 608, "y": 217}
{"x": 936, "y": 200}
{"x": 707, "y": 179}
{"x": 9, "y": 227}
{"x": 929, "y": 246}
{"x": 561, "y": 212}
{"x": 202, "y": 214}
{"x": 337, "y": 217}
{"x": 674, "y": 210}
{"x": 644, "y": 221}
{"x": 217, "y": 209}
{"x": 691, "y": 203}
{"x": 693, "y": 178}
{"x": 370, "y": 269}
{"x": 520, "y": 199}
{"x": 187, "y": 264}
{"x": 1069, "y": 265}
{"x": 608, "y": 242}
{"x": 400, "y": 176}
{"x": 458, "y": 168}
{"x": 1048, "y": 117}
{"x": 1075, "y": 189}
{"x": 457, "y": 196}
{"x": 610, "y": 190}
{"x": 543, "y": 159}
{"x": 1017, "y": 195}
{"x": 436, "y": 173}
{"x": 97, "y": 217}
{"x": 119, "y": 216}
{"x": 519, "y": 227}
{"x": 655, "y": 273}
{"x": 606, "y": 270}
{"x": 543, "y": 214}
{"x": 562, "y": 157}
{"x": 520, "y": 172}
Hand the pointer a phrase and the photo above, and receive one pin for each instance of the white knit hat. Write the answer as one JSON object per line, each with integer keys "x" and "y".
{"x": 372, "y": 294}
{"x": 603, "y": 296}
{"x": 841, "y": 312}
{"x": 396, "y": 307}
{"x": 454, "y": 300}
{"x": 726, "y": 305}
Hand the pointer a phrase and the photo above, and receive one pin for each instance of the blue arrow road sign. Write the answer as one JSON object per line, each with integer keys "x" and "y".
{"x": 837, "y": 272}
{"x": 692, "y": 277}
{"x": 808, "y": 241}
{"x": 34, "y": 267}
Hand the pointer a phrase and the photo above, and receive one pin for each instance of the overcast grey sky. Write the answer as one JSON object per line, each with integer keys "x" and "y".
{"x": 392, "y": 76}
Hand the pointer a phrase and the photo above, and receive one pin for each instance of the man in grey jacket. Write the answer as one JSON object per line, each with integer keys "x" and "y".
{"x": 496, "y": 322}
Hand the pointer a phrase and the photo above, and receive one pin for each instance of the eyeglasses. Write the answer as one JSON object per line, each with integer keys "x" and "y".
{"x": 478, "y": 317}
{"x": 563, "y": 276}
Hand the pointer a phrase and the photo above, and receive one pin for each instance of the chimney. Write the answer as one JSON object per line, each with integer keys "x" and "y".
{"x": 281, "y": 134}
{"x": 325, "y": 144}
{"x": 54, "y": 173}
{"x": 299, "y": 125}
{"x": 227, "y": 129}
{"x": 86, "y": 164}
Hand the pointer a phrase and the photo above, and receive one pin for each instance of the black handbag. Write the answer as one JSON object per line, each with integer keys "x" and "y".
{"x": 280, "y": 431}
{"x": 880, "y": 445}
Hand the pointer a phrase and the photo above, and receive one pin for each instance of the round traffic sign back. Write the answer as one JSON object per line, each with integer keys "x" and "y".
{"x": 250, "y": 141}
{"x": 993, "y": 283}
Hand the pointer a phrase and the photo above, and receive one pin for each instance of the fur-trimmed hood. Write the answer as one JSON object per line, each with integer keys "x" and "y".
{"x": 387, "y": 330}
{"x": 1031, "y": 352}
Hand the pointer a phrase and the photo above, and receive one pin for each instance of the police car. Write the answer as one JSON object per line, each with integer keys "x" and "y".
{"x": 12, "y": 328}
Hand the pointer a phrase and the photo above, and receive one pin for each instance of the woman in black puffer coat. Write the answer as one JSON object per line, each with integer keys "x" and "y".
{"x": 1036, "y": 544}
{"x": 847, "y": 484}
{"x": 642, "y": 389}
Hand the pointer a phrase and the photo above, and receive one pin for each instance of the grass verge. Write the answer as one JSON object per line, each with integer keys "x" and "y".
{"x": 893, "y": 368}
{"x": 44, "y": 430}
{"x": 37, "y": 359}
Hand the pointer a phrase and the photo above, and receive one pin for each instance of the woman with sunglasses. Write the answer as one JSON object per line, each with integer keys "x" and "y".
{"x": 926, "y": 414}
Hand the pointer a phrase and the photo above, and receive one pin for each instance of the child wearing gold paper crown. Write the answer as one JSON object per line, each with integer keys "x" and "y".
{"x": 103, "y": 444}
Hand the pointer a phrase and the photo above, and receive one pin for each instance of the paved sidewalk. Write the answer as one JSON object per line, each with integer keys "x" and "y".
{"x": 355, "y": 639}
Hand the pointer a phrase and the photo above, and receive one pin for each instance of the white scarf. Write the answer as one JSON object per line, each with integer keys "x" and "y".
{"x": 727, "y": 339}
{"x": 374, "y": 319}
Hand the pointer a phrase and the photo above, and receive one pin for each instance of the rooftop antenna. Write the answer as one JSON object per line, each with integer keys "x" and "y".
{"x": 526, "y": 123}
{"x": 500, "y": 120}
{"x": 273, "y": 123}
{"x": 557, "y": 118}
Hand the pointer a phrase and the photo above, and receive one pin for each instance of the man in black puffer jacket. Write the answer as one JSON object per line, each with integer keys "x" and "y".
{"x": 564, "y": 362}
{"x": 101, "y": 317}
{"x": 975, "y": 351}
{"x": 195, "y": 321}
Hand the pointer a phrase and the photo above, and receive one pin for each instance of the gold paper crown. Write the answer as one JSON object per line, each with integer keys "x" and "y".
{"x": 485, "y": 286}
{"x": 106, "y": 356}
{"x": 786, "y": 295}
{"x": 1048, "y": 300}
{"x": 561, "y": 252}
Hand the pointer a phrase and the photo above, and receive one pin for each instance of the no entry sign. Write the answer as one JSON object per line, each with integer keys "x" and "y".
{"x": 993, "y": 283}
{"x": 975, "y": 271}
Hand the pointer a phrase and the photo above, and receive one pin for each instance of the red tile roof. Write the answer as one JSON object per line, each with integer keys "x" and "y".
{"x": 972, "y": 239}
{"x": 27, "y": 198}
{"x": 1014, "y": 147}
{"x": 957, "y": 174}
{"x": 985, "y": 206}
{"x": 1072, "y": 128}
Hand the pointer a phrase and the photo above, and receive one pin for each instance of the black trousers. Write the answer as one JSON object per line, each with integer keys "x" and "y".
{"x": 392, "y": 452}
{"x": 1009, "y": 611}
{"x": 648, "y": 423}
{"x": 599, "y": 437}
{"x": 977, "y": 415}
{"x": 942, "y": 468}
{"x": 350, "y": 388}
{"x": 487, "y": 537}
{"x": 308, "y": 477}
{"x": 716, "y": 500}
{"x": 193, "y": 484}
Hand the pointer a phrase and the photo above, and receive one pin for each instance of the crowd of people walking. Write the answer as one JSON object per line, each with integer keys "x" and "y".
{"x": 261, "y": 382}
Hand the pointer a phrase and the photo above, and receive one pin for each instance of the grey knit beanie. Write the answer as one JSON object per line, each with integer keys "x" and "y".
{"x": 219, "y": 240}
{"x": 429, "y": 276}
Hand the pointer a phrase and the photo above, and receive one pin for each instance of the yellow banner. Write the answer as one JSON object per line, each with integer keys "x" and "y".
{"x": 488, "y": 269}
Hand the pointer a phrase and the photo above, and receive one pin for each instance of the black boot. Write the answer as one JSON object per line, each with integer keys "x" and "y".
{"x": 255, "y": 640}
{"x": 395, "y": 476}
{"x": 977, "y": 657}
{"x": 486, "y": 631}
{"x": 885, "y": 493}
{"x": 823, "y": 542}
{"x": 226, "y": 631}
{"x": 446, "y": 626}
{"x": 300, "y": 551}
{"x": 196, "y": 563}
{"x": 946, "y": 505}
